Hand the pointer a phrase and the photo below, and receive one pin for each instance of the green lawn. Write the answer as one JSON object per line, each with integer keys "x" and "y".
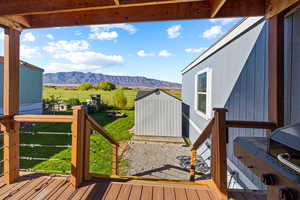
{"x": 100, "y": 151}
{"x": 82, "y": 95}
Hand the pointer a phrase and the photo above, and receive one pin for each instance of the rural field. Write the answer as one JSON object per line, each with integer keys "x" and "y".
{"x": 83, "y": 95}
{"x": 58, "y": 134}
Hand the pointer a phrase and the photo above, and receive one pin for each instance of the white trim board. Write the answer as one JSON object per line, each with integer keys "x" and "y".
{"x": 208, "y": 103}
{"x": 235, "y": 32}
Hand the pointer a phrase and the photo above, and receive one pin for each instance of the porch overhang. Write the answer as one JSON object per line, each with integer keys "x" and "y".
{"x": 43, "y": 13}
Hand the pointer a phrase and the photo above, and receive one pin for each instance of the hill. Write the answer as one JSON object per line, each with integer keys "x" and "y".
{"x": 75, "y": 78}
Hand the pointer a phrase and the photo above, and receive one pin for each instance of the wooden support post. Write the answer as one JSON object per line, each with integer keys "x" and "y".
{"x": 219, "y": 153}
{"x": 11, "y": 103}
{"x": 114, "y": 163}
{"x": 193, "y": 164}
{"x": 87, "y": 134}
{"x": 276, "y": 70}
{"x": 77, "y": 159}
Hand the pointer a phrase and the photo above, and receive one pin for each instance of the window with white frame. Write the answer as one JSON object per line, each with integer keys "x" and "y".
{"x": 203, "y": 93}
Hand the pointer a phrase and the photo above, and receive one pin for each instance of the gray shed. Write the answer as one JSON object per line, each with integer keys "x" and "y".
{"x": 158, "y": 113}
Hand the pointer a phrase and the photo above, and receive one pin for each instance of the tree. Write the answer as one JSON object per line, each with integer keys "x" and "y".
{"x": 107, "y": 86}
{"x": 85, "y": 86}
{"x": 73, "y": 101}
{"x": 123, "y": 88}
{"x": 119, "y": 99}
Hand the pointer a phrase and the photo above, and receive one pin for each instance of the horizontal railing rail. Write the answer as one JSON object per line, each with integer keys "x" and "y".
{"x": 250, "y": 124}
{"x": 44, "y": 118}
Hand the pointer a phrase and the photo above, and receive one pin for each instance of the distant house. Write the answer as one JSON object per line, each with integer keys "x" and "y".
{"x": 158, "y": 113}
{"x": 31, "y": 88}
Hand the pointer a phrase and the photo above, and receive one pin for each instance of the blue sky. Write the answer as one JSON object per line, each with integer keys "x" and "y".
{"x": 155, "y": 49}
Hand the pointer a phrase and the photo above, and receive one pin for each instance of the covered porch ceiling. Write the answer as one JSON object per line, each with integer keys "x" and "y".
{"x": 25, "y": 14}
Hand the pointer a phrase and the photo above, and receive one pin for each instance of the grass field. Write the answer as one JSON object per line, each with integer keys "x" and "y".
{"x": 82, "y": 95}
{"x": 100, "y": 151}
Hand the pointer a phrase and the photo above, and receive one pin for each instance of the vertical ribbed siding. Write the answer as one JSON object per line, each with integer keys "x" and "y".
{"x": 31, "y": 87}
{"x": 158, "y": 114}
{"x": 292, "y": 69}
{"x": 248, "y": 100}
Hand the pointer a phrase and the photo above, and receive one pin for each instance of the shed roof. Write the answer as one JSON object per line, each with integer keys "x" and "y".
{"x": 245, "y": 25}
{"x": 143, "y": 94}
{"x": 22, "y": 63}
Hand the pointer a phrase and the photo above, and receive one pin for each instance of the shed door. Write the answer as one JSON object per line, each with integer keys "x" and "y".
{"x": 292, "y": 68}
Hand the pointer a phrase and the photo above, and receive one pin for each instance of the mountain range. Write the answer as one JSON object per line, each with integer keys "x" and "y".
{"x": 75, "y": 78}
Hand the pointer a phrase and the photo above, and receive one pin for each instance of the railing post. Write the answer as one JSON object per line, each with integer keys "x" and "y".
{"x": 87, "y": 134}
{"x": 193, "y": 164}
{"x": 77, "y": 156}
{"x": 219, "y": 153}
{"x": 11, "y": 104}
{"x": 114, "y": 163}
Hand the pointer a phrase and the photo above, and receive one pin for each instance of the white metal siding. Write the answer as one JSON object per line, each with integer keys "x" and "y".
{"x": 158, "y": 114}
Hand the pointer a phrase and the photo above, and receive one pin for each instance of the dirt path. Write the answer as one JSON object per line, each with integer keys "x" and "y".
{"x": 157, "y": 160}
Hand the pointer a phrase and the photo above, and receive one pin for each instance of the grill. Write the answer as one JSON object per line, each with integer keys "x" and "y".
{"x": 276, "y": 160}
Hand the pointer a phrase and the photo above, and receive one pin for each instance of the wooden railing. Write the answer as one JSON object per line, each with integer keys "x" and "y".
{"x": 218, "y": 130}
{"x": 81, "y": 124}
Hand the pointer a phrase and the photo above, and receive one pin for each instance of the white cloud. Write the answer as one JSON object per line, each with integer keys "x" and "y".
{"x": 50, "y": 36}
{"x": 213, "y": 32}
{"x": 93, "y": 58}
{"x": 27, "y": 52}
{"x": 142, "y": 53}
{"x": 194, "y": 50}
{"x": 174, "y": 31}
{"x": 67, "y": 67}
{"x": 75, "y": 52}
{"x": 224, "y": 21}
{"x": 78, "y": 33}
{"x": 104, "y": 35}
{"x": 63, "y": 46}
{"x": 164, "y": 53}
{"x": 85, "y": 61}
{"x": 28, "y": 37}
{"x": 1, "y": 35}
{"x": 103, "y": 32}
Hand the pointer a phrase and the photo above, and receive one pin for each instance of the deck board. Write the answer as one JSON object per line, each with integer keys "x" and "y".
{"x": 158, "y": 193}
{"x": 41, "y": 186}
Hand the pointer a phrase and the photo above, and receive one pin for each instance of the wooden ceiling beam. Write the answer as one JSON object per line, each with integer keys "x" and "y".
{"x": 192, "y": 10}
{"x": 22, "y": 20}
{"x": 117, "y": 2}
{"x": 8, "y": 23}
{"x": 30, "y": 7}
{"x": 35, "y": 7}
{"x": 274, "y": 7}
{"x": 242, "y": 8}
{"x": 216, "y": 5}
{"x": 146, "y": 13}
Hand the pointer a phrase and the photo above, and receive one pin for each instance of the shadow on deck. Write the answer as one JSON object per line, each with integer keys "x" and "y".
{"x": 44, "y": 186}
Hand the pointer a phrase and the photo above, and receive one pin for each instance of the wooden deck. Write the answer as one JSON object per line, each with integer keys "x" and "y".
{"x": 42, "y": 186}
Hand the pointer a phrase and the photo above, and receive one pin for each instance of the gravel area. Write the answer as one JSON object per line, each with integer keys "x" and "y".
{"x": 157, "y": 160}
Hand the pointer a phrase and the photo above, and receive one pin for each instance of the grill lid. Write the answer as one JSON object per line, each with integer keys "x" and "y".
{"x": 288, "y": 135}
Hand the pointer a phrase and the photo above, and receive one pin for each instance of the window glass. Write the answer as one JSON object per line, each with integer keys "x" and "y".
{"x": 202, "y": 103}
{"x": 202, "y": 82}
{"x": 202, "y": 92}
